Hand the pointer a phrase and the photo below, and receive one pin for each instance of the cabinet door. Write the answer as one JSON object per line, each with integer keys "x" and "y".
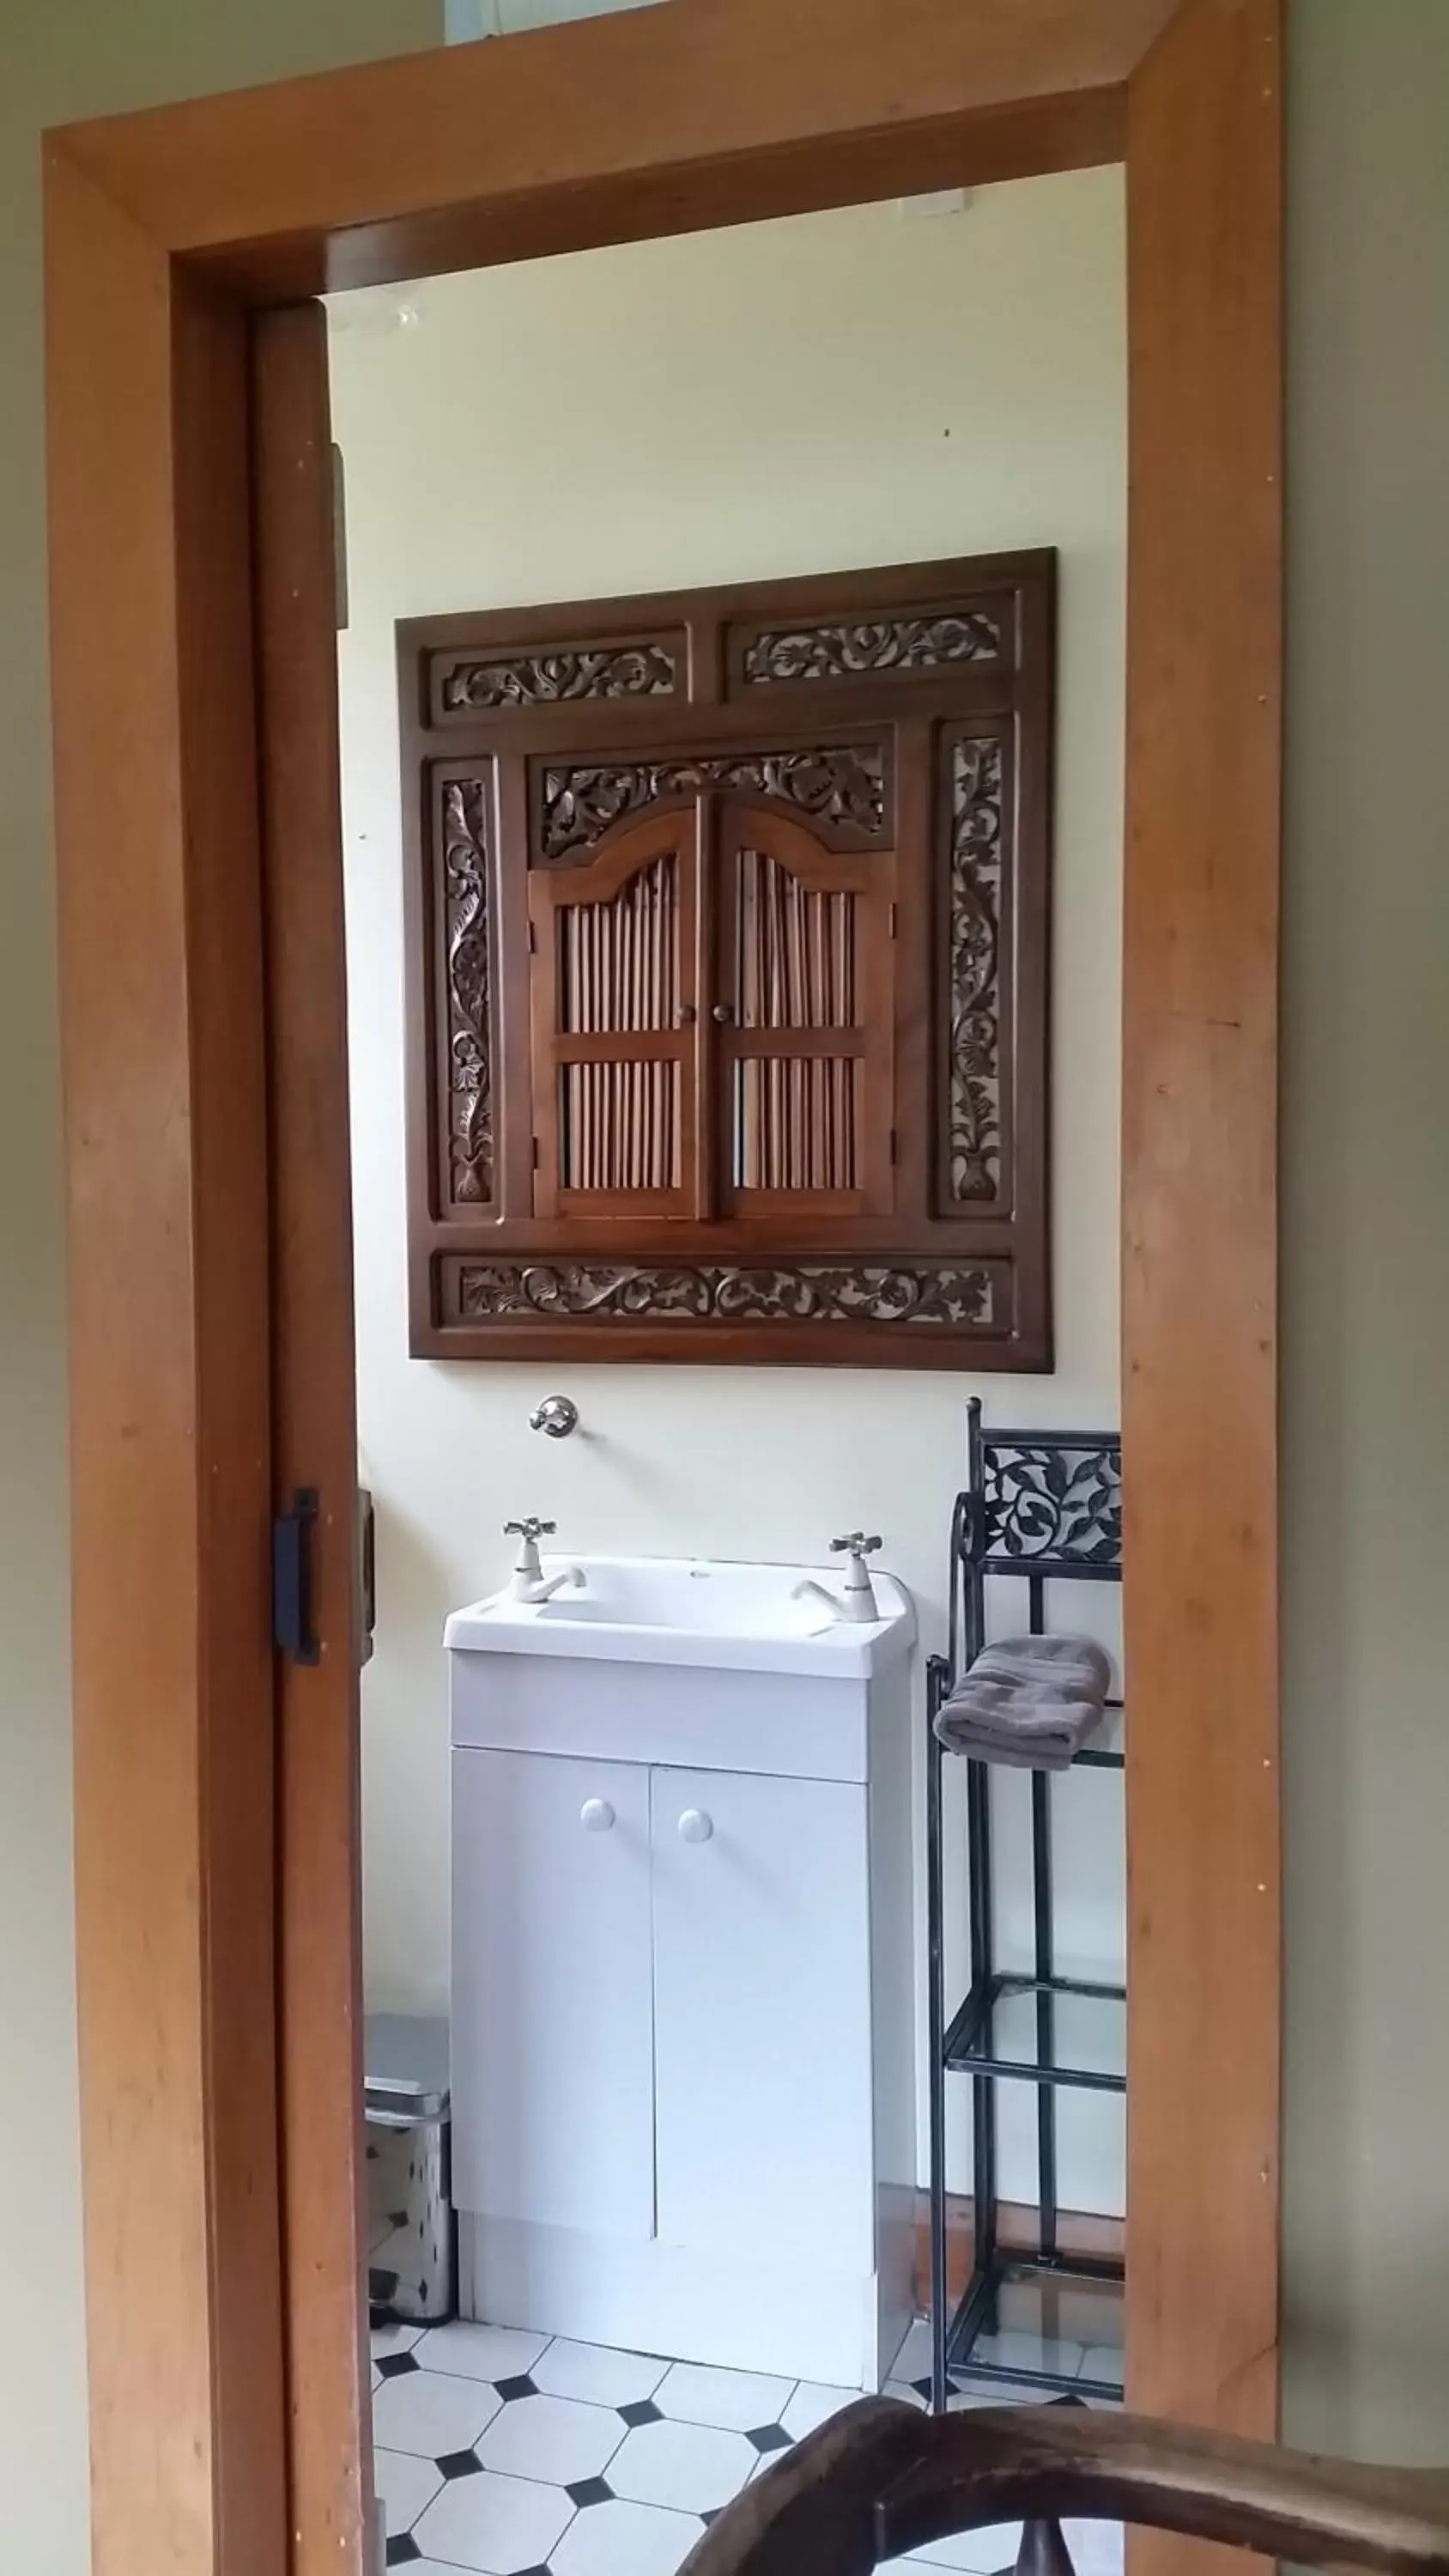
{"x": 552, "y": 2025}
{"x": 762, "y": 2016}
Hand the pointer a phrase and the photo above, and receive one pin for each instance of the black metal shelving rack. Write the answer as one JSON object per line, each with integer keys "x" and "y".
{"x": 1039, "y": 1507}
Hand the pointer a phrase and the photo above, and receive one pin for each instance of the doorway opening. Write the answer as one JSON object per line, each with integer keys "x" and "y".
{"x": 673, "y": 2105}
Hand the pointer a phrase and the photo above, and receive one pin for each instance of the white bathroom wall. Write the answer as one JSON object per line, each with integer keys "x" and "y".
{"x": 918, "y": 386}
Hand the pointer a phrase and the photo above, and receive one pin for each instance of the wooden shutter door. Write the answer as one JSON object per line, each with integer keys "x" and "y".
{"x": 615, "y": 1010}
{"x": 804, "y": 1020}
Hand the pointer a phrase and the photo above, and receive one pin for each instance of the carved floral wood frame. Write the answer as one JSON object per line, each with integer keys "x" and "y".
{"x": 195, "y": 723}
{"x": 892, "y": 727}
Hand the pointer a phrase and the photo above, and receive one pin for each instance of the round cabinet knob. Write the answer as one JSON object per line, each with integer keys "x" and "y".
{"x": 695, "y": 1826}
{"x": 685, "y": 1016}
{"x": 596, "y": 1816}
{"x": 722, "y": 1013}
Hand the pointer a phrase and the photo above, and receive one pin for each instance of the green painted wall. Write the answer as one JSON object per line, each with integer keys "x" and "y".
{"x": 1366, "y": 1251}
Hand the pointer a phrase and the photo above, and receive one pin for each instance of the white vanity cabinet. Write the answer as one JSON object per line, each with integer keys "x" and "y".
{"x": 682, "y": 2011}
{"x": 762, "y": 2087}
{"x": 553, "y": 2023}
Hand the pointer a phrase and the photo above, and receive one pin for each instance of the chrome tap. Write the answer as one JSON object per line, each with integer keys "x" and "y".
{"x": 558, "y": 1415}
{"x": 856, "y": 1599}
{"x": 530, "y": 1583}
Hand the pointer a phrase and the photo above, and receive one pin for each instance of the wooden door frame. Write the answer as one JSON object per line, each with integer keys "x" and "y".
{"x": 218, "y": 2276}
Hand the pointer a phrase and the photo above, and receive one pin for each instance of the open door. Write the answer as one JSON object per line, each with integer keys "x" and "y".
{"x": 314, "y": 1452}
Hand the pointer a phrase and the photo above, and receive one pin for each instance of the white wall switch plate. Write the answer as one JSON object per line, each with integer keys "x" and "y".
{"x": 939, "y": 201}
{"x": 466, "y": 20}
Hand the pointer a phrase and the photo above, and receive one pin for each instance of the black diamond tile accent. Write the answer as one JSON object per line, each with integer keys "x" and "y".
{"x": 644, "y": 2411}
{"x": 769, "y": 2437}
{"x": 508, "y": 2389}
{"x": 459, "y": 2464}
{"x": 402, "y": 2549}
{"x": 393, "y": 2365}
{"x": 590, "y": 2491}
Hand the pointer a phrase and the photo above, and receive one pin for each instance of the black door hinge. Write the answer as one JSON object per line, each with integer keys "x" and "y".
{"x": 292, "y": 1579}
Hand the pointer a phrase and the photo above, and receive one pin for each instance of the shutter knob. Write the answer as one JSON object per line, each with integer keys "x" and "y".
{"x": 695, "y": 1826}
{"x": 723, "y": 1014}
{"x": 685, "y": 1016}
{"x": 596, "y": 1816}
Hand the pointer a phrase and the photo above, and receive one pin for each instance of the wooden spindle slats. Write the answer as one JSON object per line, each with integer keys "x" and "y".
{"x": 794, "y": 967}
{"x": 618, "y": 973}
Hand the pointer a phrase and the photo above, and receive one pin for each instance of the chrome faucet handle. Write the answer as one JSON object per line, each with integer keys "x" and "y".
{"x": 857, "y": 1599}
{"x": 530, "y": 1529}
{"x": 558, "y": 1415}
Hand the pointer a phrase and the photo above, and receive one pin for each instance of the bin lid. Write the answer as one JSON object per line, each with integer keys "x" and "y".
{"x": 406, "y": 2056}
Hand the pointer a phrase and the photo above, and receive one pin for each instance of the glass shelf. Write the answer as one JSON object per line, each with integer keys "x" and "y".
{"x": 1057, "y": 2324}
{"x": 1001, "y": 2033}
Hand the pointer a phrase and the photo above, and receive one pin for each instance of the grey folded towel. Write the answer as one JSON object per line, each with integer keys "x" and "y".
{"x": 1030, "y": 1702}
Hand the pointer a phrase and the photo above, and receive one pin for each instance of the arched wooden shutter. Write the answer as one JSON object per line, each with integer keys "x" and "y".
{"x": 805, "y": 1012}
{"x": 614, "y": 1008}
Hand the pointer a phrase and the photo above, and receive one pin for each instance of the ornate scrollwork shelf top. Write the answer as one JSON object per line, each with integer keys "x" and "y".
{"x": 1053, "y": 1501}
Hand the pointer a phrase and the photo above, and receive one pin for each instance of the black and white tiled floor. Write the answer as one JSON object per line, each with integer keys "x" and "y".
{"x": 508, "y": 2454}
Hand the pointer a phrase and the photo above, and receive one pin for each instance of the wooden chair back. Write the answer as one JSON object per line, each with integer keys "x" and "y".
{"x": 881, "y": 2480}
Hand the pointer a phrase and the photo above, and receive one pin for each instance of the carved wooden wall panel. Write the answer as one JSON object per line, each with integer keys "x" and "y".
{"x": 489, "y": 682}
{"x": 971, "y": 1001}
{"x": 841, "y": 788}
{"x": 727, "y": 964}
{"x": 469, "y": 1002}
{"x": 948, "y": 1293}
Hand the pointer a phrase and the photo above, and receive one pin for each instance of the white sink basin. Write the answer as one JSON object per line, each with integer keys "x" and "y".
{"x": 663, "y": 1610}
